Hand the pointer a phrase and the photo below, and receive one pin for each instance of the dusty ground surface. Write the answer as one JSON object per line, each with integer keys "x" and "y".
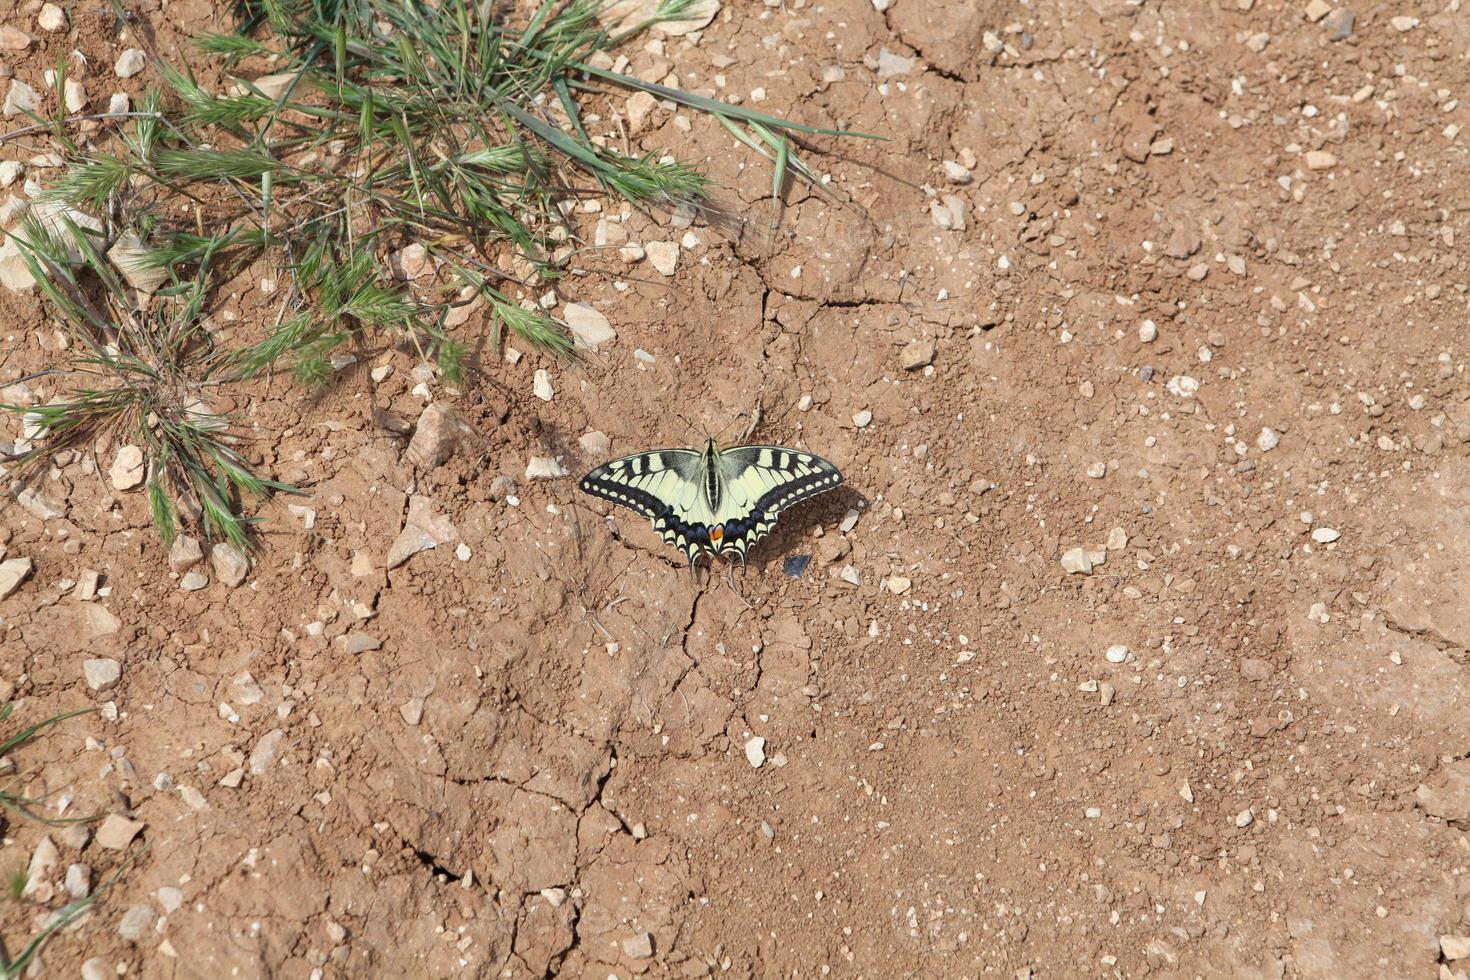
{"x": 534, "y": 761}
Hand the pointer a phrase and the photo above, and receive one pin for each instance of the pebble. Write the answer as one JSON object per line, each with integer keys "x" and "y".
{"x": 170, "y": 899}
{"x": 43, "y": 860}
{"x": 128, "y": 467}
{"x": 590, "y": 328}
{"x": 1117, "y": 654}
{"x": 1341, "y": 23}
{"x": 957, "y": 172}
{"x": 1319, "y": 160}
{"x": 889, "y": 64}
{"x": 1455, "y": 947}
{"x": 595, "y": 443}
{"x": 102, "y": 673}
{"x": 20, "y": 98}
{"x": 1077, "y": 562}
{"x": 1317, "y": 9}
{"x": 1117, "y": 539}
{"x": 193, "y": 581}
{"x": 357, "y": 642}
{"x": 423, "y": 529}
{"x": 51, "y": 18}
{"x": 1183, "y": 385}
{"x": 436, "y": 436}
{"x": 1245, "y": 818}
{"x": 412, "y": 711}
{"x": 918, "y": 353}
{"x": 898, "y": 585}
{"x": 862, "y": 419}
{"x": 1325, "y": 535}
{"x": 849, "y": 574}
{"x": 13, "y": 571}
{"x": 230, "y": 564}
{"x": 129, "y": 63}
{"x": 408, "y": 263}
{"x": 246, "y": 690}
{"x": 98, "y": 968}
{"x": 541, "y": 385}
{"x": 544, "y": 468}
{"x": 663, "y": 256}
{"x": 462, "y": 552}
{"x": 1107, "y": 693}
{"x": 639, "y": 947}
{"x": 1185, "y": 792}
{"x": 78, "y": 881}
{"x": 1097, "y": 471}
{"x": 117, "y": 832}
{"x": 1267, "y": 440}
{"x": 1404, "y": 24}
{"x": 1148, "y": 332}
{"x": 849, "y": 521}
{"x": 949, "y": 212}
{"x": 755, "y": 752}
{"x": 266, "y": 750}
{"x": 185, "y": 553}
{"x": 13, "y": 39}
{"x": 554, "y": 896}
{"x": 135, "y": 922}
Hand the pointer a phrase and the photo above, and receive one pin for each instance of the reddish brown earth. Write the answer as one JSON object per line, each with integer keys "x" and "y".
{"x": 539, "y": 766}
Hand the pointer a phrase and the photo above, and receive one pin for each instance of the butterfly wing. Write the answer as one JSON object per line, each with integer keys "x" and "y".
{"x": 761, "y": 482}
{"x": 664, "y": 486}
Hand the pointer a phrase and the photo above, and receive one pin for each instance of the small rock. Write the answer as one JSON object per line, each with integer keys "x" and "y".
{"x": 1148, "y": 332}
{"x": 849, "y": 574}
{"x": 87, "y": 584}
{"x": 13, "y": 571}
{"x": 102, "y": 674}
{"x": 1317, "y": 9}
{"x": 595, "y": 444}
{"x": 503, "y": 486}
{"x": 639, "y": 108}
{"x": 43, "y": 861}
{"x": 663, "y": 256}
{"x": 20, "y": 98}
{"x": 412, "y": 711}
{"x": 890, "y": 64}
{"x": 246, "y": 690}
{"x": 233, "y": 778}
{"x": 1185, "y": 793}
{"x": 1077, "y": 562}
{"x": 541, "y": 385}
{"x": 357, "y": 642}
{"x": 949, "y": 212}
{"x": 1106, "y": 693}
{"x": 1340, "y": 24}
{"x": 639, "y": 947}
{"x": 545, "y": 468}
{"x": 185, "y": 553}
{"x": 193, "y": 581}
{"x": 554, "y": 896}
{"x": 898, "y": 585}
{"x": 1097, "y": 471}
{"x": 1319, "y": 160}
{"x": 1404, "y": 24}
{"x": 1245, "y": 818}
{"x": 51, "y": 18}
{"x": 1117, "y": 539}
{"x": 1183, "y": 386}
{"x": 919, "y": 353}
{"x": 117, "y": 832}
{"x": 135, "y": 922}
{"x": 462, "y": 551}
{"x": 98, "y": 968}
{"x": 78, "y": 881}
{"x": 1449, "y": 801}
{"x": 230, "y": 564}
{"x": 266, "y": 750}
{"x": 588, "y": 326}
{"x": 794, "y": 566}
{"x": 423, "y": 529}
{"x": 13, "y": 39}
{"x": 957, "y": 172}
{"x": 755, "y": 752}
{"x": 170, "y": 898}
{"x": 129, "y": 63}
{"x": 410, "y": 262}
{"x": 1325, "y": 535}
{"x": 862, "y": 419}
{"x": 1267, "y": 440}
{"x": 1117, "y": 654}
{"x": 1455, "y": 947}
{"x": 436, "y": 436}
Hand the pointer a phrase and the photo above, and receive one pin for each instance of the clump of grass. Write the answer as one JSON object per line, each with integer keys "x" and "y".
{"x": 141, "y": 369}
{"x": 398, "y": 122}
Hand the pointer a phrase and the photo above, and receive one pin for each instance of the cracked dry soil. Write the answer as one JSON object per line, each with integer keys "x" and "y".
{"x": 1163, "y": 228}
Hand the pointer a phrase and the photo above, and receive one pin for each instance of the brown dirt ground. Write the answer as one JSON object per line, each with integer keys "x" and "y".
{"x": 496, "y": 789}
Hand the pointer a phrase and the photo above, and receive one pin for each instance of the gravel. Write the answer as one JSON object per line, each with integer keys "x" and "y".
{"x": 102, "y": 673}
{"x": 755, "y": 752}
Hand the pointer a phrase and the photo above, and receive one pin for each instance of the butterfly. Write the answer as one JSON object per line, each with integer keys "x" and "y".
{"x": 712, "y": 501}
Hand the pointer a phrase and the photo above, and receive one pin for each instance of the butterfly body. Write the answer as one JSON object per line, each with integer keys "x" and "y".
{"x": 712, "y": 501}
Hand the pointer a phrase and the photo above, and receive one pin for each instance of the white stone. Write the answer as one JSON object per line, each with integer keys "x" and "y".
{"x": 20, "y": 98}
{"x": 1183, "y": 385}
{"x": 1267, "y": 440}
{"x": 1148, "y": 332}
{"x": 51, "y": 18}
{"x": 544, "y": 468}
{"x": 102, "y": 673}
{"x": 13, "y": 571}
{"x": 590, "y": 328}
{"x": 128, "y": 469}
{"x": 541, "y": 385}
{"x": 1117, "y": 654}
{"x": 129, "y": 63}
{"x": 663, "y": 256}
{"x": 755, "y": 752}
{"x": 1077, "y": 561}
{"x": 1325, "y": 535}
{"x": 230, "y": 564}
{"x": 862, "y": 419}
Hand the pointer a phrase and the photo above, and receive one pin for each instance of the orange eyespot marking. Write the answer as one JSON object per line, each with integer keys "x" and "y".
{"x": 717, "y": 533}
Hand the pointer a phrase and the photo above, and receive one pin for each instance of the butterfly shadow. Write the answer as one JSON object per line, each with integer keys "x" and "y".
{"x": 790, "y": 536}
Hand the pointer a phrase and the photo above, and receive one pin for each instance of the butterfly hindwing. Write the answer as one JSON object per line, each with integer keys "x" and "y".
{"x": 712, "y": 502}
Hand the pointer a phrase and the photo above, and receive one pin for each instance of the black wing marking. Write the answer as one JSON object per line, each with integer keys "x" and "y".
{"x": 625, "y": 481}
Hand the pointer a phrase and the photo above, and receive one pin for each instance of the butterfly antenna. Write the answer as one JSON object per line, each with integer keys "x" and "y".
{"x": 726, "y": 428}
